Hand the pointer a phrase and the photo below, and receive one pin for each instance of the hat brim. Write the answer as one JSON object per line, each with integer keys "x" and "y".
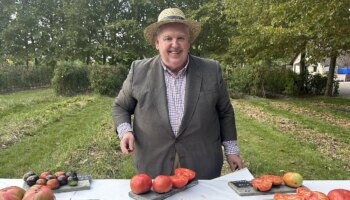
{"x": 150, "y": 31}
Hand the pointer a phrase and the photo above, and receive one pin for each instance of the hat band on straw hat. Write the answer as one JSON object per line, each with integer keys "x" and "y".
{"x": 172, "y": 18}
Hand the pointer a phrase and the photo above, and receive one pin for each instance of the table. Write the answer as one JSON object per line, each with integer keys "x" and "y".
{"x": 118, "y": 189}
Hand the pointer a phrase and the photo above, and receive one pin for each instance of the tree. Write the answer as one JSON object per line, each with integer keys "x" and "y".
{"x": 214, "y": 39}
{"x": 20, "y": 35}
{"x": 272, "y": 30}
{"x": 6, "y": 11}
{"x": 330, "y": 26}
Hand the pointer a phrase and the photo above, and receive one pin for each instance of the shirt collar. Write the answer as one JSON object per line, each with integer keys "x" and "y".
{"x": 180, "y": 72}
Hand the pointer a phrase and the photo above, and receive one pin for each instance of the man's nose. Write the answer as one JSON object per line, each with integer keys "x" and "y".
{"x": 175, "y": 42}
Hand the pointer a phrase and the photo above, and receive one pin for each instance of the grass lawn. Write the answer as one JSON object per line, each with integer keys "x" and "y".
{"x": 40, "y": 131}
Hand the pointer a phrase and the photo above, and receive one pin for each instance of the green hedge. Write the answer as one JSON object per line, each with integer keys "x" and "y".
{"x": 70, "y": 78}
{"x": 19, "y": 77}
{"x": 261, "y": 81}
{"x": 107, "y": 79}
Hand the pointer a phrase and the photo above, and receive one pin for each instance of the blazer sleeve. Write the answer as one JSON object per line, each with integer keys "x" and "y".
{"x": 225, "y": 110}
{"x": 124, "y": 104}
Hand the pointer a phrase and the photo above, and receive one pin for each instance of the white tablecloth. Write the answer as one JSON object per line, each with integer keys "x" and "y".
{"x": 216, "y": 189}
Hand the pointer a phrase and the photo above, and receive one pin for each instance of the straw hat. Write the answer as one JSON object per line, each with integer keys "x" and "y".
{"x": 172, "y": 15}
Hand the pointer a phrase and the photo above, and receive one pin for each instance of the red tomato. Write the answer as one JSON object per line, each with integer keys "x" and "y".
{"x": 278, "y": 196}
{"x": 302, "y": 191}
{"x": 140, "y": 183}
{"x": 261, "y": 184}
{"x": 44, "y": 174}
{"x": 188, "y": 173}
{"x": 12, "y": 192}
{"x": 339, "y": 194}
{"x": 321, "y": 196}
{"x": 39, "y": 192}
{"x": 60, "y": 173}
{"x": 178, "y": 181}
{"x": 53, "y": 184}
{"x": 276, "y": 180}
{"x": 162, "y": 184}
{"x": 311, "y": 195}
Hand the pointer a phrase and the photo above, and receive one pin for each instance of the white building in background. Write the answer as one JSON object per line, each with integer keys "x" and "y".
{"x": 322, "y": 68}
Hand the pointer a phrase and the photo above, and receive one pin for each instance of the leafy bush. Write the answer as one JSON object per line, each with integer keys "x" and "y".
{"x": 336, "y": 88}
{"x": 70, "y": 78}
{"x": 292, "y": 83}
{"x": 281, "y": 81}
{"x": 261, "y": 81}
{"x": 316, "y": 84}
{"x": 237, "y": 80}
{"x": 19, "y": 77}
{"x": 107, "y": 79}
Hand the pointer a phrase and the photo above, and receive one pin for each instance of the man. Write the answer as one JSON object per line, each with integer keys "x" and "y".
{"x": 182, "y": 111}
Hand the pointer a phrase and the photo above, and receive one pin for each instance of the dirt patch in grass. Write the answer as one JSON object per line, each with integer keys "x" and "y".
{"x": 17, "y": 132}
{"x": 324, "y": 143}
{"x": 344, "y": 123}
{"x": 343, "y": 108}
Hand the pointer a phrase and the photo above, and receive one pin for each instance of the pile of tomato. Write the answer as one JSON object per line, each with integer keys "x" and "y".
{"x": 265, "y": 182}
{"x": 142, "y": 183}
{"x": 306, "y": 194}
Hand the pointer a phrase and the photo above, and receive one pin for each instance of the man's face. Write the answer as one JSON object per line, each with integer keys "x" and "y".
{"x": 173, "y": 43}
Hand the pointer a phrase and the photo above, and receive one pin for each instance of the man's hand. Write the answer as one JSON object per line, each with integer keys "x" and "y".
{"x": 127, "y": 143}
{"x": 235, "y": 162}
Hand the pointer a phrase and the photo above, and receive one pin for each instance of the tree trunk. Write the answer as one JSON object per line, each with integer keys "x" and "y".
{"x": 88, "y": 58}
{"x": 303, "y": 74}
{"x": 330, "y": 77}
{"x": 104, "y": 58}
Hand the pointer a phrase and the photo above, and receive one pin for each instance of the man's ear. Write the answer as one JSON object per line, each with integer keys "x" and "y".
{"x": 156, "y": 43}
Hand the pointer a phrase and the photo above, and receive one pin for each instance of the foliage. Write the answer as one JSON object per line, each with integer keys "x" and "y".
{"x": 316, "y": 84}
{"x": 272, "y": 30}
{"x": 107, "y": 79}
{"x": 261, "y": 80}
{"x": 19, "y": 77}
{"x": 70, "y": 78}
{"x": 111, "y": 32}
{"x": 336, "y": 88}
{"x": 213, "y": 41}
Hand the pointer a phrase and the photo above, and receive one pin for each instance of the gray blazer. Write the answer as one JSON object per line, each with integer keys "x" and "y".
{"x": 208, "y": 118}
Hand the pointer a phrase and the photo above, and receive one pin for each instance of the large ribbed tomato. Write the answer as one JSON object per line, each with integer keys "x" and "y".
{"x": 41, "y": 192}
{"x": 278, "y": 196}
{"x": 276, "y": 180}
{"x": 309, "y": 194}
{"x": 162, "y": 184}
{"x": 321, "y": 196}
{"x": 12, "y": 193}
{"x": 339, "y": 194}
{"x": 188, "y": 173}
{"x": 140, "y": 183}
{"x": 305, "y": 192}
{"x": 261, "y": 184}
{"x": 178, "y": 181}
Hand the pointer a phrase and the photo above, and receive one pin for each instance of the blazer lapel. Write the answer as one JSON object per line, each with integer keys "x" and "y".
{"x": 193, "y": 86}
{"x": 157, "y": 88}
